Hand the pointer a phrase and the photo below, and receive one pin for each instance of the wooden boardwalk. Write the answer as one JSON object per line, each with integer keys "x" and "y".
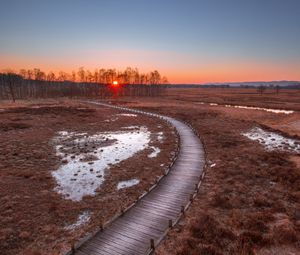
{"x": 147, "y": 222}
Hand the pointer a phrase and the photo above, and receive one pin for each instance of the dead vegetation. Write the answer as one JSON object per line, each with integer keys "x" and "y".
{"x": 33, "y": 216}
{"x": 249, "y": 200}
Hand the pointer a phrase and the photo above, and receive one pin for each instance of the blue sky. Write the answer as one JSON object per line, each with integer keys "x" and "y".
{"x": 189, "y": 41}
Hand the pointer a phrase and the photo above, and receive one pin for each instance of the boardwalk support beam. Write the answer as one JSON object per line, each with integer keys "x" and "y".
{"x": 152, "y": 246}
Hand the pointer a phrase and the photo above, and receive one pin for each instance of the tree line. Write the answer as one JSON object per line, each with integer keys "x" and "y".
{"x": 35, "y": 83}
{"x": 105, "y": 76}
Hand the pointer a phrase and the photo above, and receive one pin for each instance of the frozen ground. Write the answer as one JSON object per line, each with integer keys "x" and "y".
{"x": 126, "y": 184}
{"x": 251, "y": 108}
{"x": 160, "y": 136}
{"x": 131, "y": 127}
{"x": 154, "y": 153}
{"x": 272, "y": 141}
{"x": 85, "y": 158}
{"x": 128, "y": 114}
{"x": 261, "y": 109}
{"x": 82, "y": 219}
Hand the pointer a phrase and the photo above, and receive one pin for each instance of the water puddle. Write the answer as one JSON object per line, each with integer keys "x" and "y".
{"x": 127, "y": 184}
{"x": 261, "y": 109}
{"x": 85, "y": 158}
{"x": 272, "y": 141}
{"x": 250, "y": 108}
{"x": 81, "y": 220}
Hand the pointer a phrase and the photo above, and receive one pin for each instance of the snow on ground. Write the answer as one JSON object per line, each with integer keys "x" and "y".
{"x": 111, "y": 119}
{"x": 272, "y": 141}
{"x": 126, "y": 184}
{"x": 81, "y": 220}
{"x": 251, "y": 108}
{"x": 116, "y": 117}
{"x": 154, "y": 153}
{"x": 160, "y": 136}
{"x": 128, "y": 114}
{"x": 262, "y": 109}
{"x": 131, "y": 127}
{"x": 86, "y": 158}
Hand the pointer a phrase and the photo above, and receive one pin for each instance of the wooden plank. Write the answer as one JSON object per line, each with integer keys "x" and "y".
{"x": 139, "y": 224}
{"x": 117, "y": 246}
{"x": 124, "y": 229}
{"x": 166, "y": 204}
{"x": 102, "y": 248}
{"x": 174, "y": 210}
{"x": 157, "y": 212}
{"x": 91, "y": 250}
{"x": 115, "y": 241}
{"x": 140, "y": 228}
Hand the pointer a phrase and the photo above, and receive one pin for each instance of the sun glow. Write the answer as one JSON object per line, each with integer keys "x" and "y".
{"x": 115, "y": 83}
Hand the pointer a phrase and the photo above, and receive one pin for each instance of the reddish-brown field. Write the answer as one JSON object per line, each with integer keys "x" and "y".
{"x": 33, "y": 217}
{"x": 249, "y": 202}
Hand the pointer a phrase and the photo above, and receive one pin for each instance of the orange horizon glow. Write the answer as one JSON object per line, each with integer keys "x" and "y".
{"x": 206, "y": 72}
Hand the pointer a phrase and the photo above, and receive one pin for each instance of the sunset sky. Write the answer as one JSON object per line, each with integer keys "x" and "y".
{"x": 189, "y": 41}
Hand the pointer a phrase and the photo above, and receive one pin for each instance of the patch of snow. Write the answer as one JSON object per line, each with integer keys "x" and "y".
{"x": 132, "y": 127}
{"x": 160, "y": 136}
{"x": 128, "y": 114}
{"x": 250, "y": 108}
{"x": 272, "y": 141}
{"x": 78, "y": 177}
{"x": 261, "y": 109}
{"x": 126, "y": 184}
{"x": 112, "y": 119}
{"x": 154, "y": 153}
{"x": 81, "y": 220}
{"x": 213, "y": 165}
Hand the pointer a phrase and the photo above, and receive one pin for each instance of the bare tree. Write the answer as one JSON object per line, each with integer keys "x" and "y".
{"x": 51, "y": 76}
{"x": 277, "y": 88}
{"x": 81, "y": 74}
{"x": 261, "y": 89}
{"x": 11, "y": 80}
{"x": 37, "y": 84}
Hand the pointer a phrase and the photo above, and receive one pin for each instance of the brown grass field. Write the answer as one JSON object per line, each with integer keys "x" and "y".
{"x": 249, "y": 202}
{"x": 33, "y": 216}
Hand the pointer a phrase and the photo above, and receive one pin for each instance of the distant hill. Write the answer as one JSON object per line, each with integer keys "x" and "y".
{"x": 282, "y": 84}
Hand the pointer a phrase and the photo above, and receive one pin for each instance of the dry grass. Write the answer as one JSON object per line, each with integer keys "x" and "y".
{"x": 32, "y": 214}
{"x": 249, "y": 202}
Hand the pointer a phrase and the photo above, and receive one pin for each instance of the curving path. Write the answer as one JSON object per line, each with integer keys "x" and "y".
{"x": 144, "y": 225}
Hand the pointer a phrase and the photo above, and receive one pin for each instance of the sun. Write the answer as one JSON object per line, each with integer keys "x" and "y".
{"x": 115, "y": 83}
